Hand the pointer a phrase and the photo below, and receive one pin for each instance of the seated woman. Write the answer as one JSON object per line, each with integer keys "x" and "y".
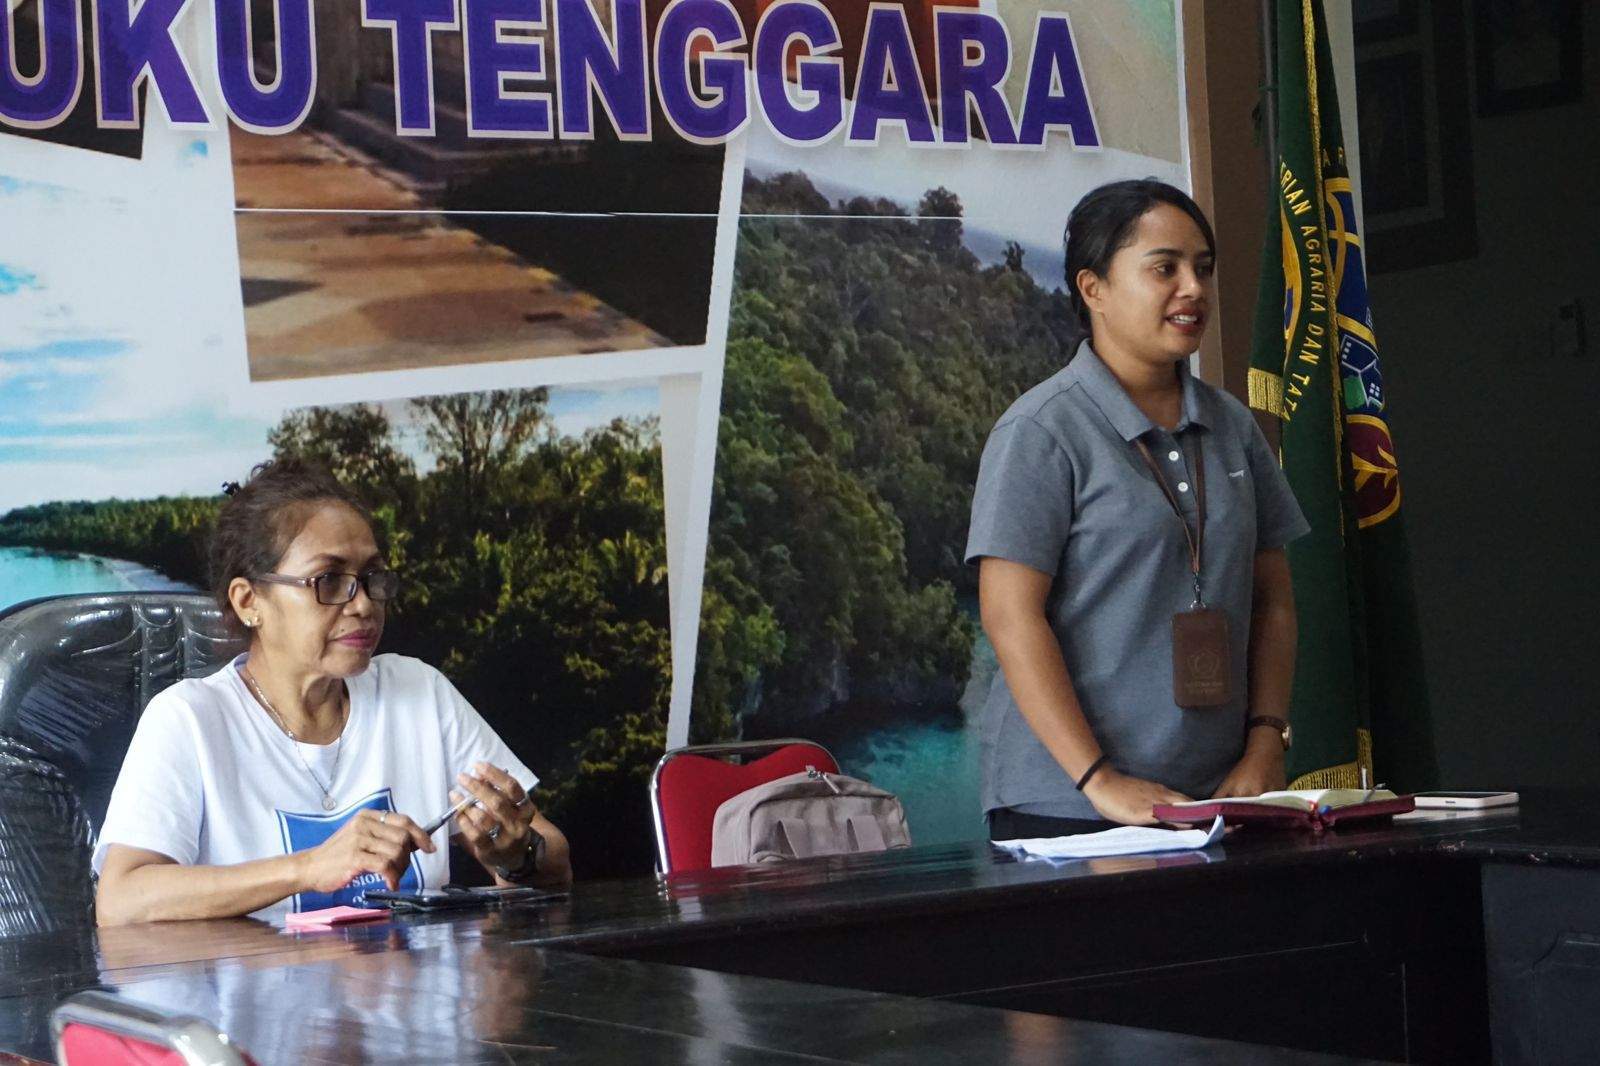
{"x": 290, "y": 779}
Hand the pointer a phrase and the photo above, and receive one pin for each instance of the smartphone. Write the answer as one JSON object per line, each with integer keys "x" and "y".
{"x": 455, "y": 897}
{"x": 1457, "y": 801}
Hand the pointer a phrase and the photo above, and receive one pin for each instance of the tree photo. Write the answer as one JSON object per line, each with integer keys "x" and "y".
{"x": 869, "y": 353}
{"x": 534, "y": 569}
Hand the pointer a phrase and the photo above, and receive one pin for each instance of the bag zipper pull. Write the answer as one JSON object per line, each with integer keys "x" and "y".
{"x": 813, "y": 773}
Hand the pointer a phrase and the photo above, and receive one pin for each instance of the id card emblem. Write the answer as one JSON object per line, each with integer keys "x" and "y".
{"x": 1201, "y": 659}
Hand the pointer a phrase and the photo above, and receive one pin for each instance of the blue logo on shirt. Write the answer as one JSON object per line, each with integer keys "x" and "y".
{"x": 301, "y": 832}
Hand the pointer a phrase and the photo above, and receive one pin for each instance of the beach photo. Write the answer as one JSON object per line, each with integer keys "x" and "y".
{"x": 363, "y": 250}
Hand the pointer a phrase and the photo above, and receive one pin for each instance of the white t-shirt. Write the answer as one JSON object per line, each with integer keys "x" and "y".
{"x": 211, "y": 780}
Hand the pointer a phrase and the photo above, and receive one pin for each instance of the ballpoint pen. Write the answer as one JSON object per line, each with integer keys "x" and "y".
{"x": 465, "y": 802}
{"x": 435, "y": 825}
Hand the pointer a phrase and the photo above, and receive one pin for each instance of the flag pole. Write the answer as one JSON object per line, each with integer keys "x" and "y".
{"x": 1267, "y": 114}
{"x": 1269, "y": 88}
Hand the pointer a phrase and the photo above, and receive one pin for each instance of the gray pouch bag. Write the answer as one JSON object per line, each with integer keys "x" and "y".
{"x": 805, "y": 814}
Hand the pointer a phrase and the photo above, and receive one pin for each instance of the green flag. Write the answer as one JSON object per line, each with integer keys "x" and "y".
{"x": 1360, "y": 703}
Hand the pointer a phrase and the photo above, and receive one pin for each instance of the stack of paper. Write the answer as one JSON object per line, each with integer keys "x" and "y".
{"x": 1124, "y": 840}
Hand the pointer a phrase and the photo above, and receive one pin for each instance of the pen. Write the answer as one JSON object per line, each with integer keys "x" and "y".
{"x": 434, "y": 826}
{"x": 466, "y": 801}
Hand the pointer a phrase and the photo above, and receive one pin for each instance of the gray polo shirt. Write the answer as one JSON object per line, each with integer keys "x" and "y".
{"x": 1062, "y": 489}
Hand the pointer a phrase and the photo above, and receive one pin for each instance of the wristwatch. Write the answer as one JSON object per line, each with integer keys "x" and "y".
{"x": 1282, "y": 726}
{"x": 528, "y": 868}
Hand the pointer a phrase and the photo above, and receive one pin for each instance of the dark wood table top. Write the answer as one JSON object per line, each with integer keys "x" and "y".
{"x": 613, "y": 916}
{"x": 465, "y": 981}
{"x": 458, "y": 991}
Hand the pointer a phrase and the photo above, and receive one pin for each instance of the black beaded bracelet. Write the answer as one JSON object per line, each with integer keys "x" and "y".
{"x": 1093, "y": 769}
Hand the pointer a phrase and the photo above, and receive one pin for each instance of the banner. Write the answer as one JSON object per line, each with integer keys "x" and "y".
{"x": 536, "y": 69}
{"x": 662, "y": 338}
{"x": 1359, "y": 705}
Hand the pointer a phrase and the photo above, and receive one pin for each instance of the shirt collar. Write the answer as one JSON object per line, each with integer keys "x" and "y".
{"x": 1124, "y": 415}
{"x": 1196, "y": 401}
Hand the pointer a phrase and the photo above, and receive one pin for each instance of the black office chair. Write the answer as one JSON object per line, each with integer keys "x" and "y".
{"x": 75, "y": 674}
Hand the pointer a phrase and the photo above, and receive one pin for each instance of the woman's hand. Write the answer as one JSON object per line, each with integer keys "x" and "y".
{"x": 1261, "y": 769}
{"x": 496, "y": 829}
{"x": 1127, "y": 800}
{"x": 378, "y": 842}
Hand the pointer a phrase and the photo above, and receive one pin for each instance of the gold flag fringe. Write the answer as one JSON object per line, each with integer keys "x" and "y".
{"x": 1266, "y": 391}
{"x": 1345, "y": 775}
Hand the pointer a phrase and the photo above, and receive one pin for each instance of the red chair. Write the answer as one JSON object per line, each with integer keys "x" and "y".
{"x": 100, "y": 1029}
{"x": 689, "y": 784}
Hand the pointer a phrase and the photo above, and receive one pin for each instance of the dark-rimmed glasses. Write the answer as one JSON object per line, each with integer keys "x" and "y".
{"x": 335, "y": 589}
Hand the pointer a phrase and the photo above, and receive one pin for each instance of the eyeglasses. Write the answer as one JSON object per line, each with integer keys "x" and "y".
{"x": 334, "y": 588}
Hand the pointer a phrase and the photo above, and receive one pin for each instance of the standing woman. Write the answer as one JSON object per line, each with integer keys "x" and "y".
{"x": 294, "y": 777}
{"x": 1129, "y": 524}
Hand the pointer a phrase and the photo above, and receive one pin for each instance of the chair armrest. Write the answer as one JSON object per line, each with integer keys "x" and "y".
{"x": 195, "y": 1041}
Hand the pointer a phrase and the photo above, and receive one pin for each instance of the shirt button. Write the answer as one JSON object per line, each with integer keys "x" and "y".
{"x": 1174, "y": 456}
{"x": 1183, "y": 486}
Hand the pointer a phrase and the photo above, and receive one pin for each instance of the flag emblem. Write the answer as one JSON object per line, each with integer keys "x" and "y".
{"x": 1377, "y": 475}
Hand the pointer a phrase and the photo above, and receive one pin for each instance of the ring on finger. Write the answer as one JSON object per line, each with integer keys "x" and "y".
{"x": 383, "y": 819}
{"x": 494, "y": 832}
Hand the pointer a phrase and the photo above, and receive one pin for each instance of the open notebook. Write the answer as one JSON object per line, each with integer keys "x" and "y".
{"x": 1310, "y": 808}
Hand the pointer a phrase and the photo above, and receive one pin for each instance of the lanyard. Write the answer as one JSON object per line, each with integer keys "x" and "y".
{"x": 1195, "y": 539}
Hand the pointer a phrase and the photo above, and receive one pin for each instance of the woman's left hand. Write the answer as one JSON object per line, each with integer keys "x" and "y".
{"x": 1261, "y": 769}
{"x": 496, "y": 829}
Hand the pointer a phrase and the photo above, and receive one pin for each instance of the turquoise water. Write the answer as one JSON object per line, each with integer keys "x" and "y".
{"x": 932, "y": 767}
{"x": 28, "y": 573}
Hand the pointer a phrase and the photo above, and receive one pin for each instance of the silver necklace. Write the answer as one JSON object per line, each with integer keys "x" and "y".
{"x": 328, "y": 802}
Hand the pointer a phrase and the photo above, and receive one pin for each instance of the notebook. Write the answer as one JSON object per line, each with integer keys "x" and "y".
{"x": 331, "y": 916}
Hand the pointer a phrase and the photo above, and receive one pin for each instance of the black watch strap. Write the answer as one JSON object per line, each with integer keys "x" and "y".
{"x": 528, "y": 868}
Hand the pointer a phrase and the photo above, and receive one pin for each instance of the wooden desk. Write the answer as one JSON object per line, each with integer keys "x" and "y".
{"x": 463, "y": 991}
{"x": 1367, "y": 943}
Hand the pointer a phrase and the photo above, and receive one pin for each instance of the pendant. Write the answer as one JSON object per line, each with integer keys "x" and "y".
{"x": 329, "y": 803}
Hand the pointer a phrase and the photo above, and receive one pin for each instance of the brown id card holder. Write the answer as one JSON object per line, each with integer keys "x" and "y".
{"x": 1201, "y": 653}
{"x": 1200, "y": 659}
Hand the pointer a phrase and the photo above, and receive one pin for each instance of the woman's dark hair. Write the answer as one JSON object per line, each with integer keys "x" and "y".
{"x": 260, "y": 518}
{"x": 1102, "y": 224}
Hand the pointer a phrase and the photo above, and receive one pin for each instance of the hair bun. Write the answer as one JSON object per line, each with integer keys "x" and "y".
{"x": 230, "y": 487}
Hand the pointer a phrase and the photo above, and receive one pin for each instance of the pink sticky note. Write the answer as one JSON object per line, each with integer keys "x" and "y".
{"x": 330, "y": 916}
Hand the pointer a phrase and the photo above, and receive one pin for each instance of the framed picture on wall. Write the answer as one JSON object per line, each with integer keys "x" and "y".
{"x": 1529, "y": 54}
{"x": 1415, "y": 134}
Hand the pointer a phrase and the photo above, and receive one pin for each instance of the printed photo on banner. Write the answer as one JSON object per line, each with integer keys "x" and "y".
{"x": 368, "y": 245}
{"x": 888, "y": 305}
{"x": 527, "y": 526}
